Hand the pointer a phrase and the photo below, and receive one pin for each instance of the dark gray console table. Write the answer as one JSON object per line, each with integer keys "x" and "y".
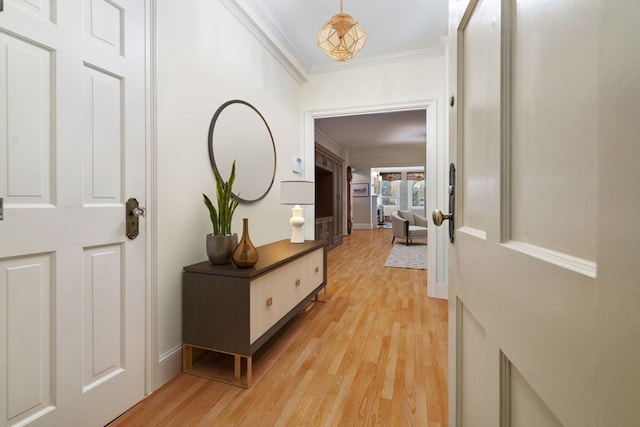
{"x": 235, "y": 311}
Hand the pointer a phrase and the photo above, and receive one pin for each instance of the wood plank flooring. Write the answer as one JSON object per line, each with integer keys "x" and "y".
{"x": 375, "y": 354}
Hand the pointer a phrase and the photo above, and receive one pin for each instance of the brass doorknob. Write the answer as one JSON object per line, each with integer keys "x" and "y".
{"x": 439, "y": 217}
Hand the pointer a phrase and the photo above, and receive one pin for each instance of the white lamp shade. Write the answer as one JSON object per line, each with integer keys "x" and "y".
{"x": 297, "y": 193}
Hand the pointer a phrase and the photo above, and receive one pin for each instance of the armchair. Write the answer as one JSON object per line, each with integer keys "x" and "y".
{"x": 408, "y": 225}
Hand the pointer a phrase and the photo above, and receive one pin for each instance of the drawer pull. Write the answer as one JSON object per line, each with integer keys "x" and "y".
{"x": 317, "y": 269}
{"x": 297, "y": 282}
{"x": 269, "y": 302}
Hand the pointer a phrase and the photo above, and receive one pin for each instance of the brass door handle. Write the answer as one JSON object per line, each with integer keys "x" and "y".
{"x": 439, "y": 217}
{"x": 133, "y": 212}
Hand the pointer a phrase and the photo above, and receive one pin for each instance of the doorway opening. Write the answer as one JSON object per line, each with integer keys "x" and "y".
{"x": 435, "y": 161}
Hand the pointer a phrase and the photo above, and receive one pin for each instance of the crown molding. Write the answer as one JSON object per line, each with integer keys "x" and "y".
{"x": 378, "y": 60}
{"x": 262, "y": 32}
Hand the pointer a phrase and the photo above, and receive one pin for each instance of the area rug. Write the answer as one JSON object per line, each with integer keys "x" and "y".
{"x": 403, "y": 256}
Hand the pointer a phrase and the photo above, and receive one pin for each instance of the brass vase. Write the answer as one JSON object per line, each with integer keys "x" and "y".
{"x": 246, "y": 254}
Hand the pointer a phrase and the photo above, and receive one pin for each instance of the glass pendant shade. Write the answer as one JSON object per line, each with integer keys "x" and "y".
{"x": 342, "y": 37}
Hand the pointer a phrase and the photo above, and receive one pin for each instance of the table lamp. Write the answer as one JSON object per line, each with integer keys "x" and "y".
{"x": 297, "y": 193}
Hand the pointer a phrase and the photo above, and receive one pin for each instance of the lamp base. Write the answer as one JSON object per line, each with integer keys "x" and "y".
{"x": 296, "y": 221}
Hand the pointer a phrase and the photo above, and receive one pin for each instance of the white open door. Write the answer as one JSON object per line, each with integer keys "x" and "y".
{"x": 72, "y": 151}
{"x": 544, "y": 277}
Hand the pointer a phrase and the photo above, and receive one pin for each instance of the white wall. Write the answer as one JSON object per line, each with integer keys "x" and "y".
{"x": 204, "y": 58}
{"x": 372, "y": 86}
{"x": 363, "y": 218}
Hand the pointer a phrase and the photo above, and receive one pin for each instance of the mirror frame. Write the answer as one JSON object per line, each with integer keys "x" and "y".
{"x": 212, "y": 157}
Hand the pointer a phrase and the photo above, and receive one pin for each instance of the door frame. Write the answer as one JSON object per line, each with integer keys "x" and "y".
{"x": 152, "y": 363}
{"x": 437, "y": 169}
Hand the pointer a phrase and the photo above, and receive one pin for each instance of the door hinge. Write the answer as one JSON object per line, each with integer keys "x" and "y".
{"x": 1, "y": 206}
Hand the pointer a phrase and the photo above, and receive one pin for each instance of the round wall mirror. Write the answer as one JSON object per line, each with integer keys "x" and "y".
{"x": 239, "y": 132}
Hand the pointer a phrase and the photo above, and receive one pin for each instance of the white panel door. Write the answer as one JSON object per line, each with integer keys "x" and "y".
{"x": 545, "y": 134}
{"x": 72, "y": 150}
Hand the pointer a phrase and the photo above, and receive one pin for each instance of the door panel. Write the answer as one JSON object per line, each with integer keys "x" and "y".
{"x": 555, "y": 83}
{"x": 26, "y": 176}
{"x": 102, "y": 314}
{"x": 544, "y": 136}
{"x": 72, "y": 150}
{"x": 104, "y": 25}
{"x": 103, "y": 131}
{"x": 28, "y": 288}
{"x": 525, "y": 407}
{"x": 479, "y": 361}
{"x": 480, "y": 111}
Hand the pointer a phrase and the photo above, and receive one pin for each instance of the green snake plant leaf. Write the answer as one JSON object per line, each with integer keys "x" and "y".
{"x": 227, "y": 203}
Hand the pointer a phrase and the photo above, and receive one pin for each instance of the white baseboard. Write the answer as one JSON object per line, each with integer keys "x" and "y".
{"x": 169, "y": 365}
{"x": 440, "y": 291}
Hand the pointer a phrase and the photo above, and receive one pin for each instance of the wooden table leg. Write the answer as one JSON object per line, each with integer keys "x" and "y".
{"x": 187, "y": 357}
{"x": 237, "y": 367}
{"x": 324, "y": 296}
{"x": 249, "y": 370}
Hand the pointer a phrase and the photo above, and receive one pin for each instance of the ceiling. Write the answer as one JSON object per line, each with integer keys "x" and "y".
{"x": 396, "y": 29}
{"x": 365, "y": 130}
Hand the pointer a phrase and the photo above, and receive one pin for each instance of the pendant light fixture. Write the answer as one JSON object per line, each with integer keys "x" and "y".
{"x": 342, "y": 37}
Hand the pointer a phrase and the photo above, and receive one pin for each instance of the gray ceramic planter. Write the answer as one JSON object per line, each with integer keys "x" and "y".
{"x": 220, "y": 248}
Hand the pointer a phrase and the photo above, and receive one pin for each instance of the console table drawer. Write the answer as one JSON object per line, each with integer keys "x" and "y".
{"x": 268, "y": 301}
{"x": 275, "y": 293}
{"x": 310, "y": 276}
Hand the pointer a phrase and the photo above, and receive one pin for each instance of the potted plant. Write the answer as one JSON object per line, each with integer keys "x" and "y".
{"x": 221, "y": 243}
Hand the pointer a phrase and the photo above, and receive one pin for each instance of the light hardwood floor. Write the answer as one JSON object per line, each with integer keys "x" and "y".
{"x": 375, "y": 354}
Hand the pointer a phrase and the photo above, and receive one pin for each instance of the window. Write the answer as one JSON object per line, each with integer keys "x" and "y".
{"x": 389, "y": 192}
{"x": 416, "y": 187}
{"x": 416, "y": 190}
